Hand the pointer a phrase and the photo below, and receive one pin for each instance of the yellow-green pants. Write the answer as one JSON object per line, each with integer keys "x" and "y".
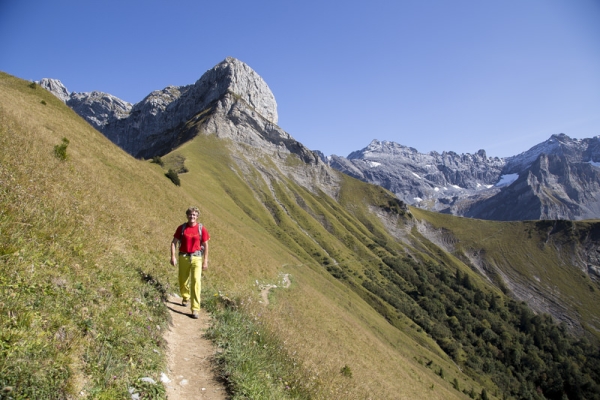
{"x": 190, "y": 276}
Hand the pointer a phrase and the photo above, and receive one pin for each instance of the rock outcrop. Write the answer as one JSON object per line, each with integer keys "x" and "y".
{"x": 56, "y": 88}
{"x": 230, "y": 101}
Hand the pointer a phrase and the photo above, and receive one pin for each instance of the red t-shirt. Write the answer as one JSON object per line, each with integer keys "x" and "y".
{"x": 191, "y": 241}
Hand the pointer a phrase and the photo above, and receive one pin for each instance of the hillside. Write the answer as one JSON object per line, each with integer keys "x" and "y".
{"x": 385, "y": 301}
{"x": 85, "y": 243}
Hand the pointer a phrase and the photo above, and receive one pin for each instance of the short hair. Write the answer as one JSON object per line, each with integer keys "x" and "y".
{"x": 191, "y": 210}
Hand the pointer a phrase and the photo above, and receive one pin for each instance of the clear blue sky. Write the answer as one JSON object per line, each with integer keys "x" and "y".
{"x": 458, "y": 75}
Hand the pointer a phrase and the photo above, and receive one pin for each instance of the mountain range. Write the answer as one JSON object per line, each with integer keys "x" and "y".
{"x": 556, "y": 179}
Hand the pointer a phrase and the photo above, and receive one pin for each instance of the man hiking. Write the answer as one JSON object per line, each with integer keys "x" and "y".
{"x": 192, "y": 239}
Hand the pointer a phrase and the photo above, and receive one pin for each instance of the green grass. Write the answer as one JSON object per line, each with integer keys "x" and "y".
{"x": 251, "y": 359}
{"x": 78, "y": 311}
{"x": 544, "y": 254}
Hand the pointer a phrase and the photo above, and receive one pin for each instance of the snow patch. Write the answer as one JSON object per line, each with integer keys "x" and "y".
{"x": 506, "y": 180}
{"x": 456, "y": 187}
{"x": 436, "y": 189}
{"x": 595, "y": 164}
{"x": 418, "y": 199}
{"x": 374, "y": 164}
{"x": 416, "y": 175}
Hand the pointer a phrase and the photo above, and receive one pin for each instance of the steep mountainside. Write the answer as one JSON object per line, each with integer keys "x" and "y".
{"x": 418, "y": 303}
{"x": 556, "y": 179}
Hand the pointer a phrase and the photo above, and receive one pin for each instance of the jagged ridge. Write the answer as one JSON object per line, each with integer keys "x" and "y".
{"x": 559, "y": 178}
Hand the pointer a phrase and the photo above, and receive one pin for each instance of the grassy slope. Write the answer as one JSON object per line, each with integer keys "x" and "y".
{"x": 525, "y": 252}
{"x": 84, "y": 253}
{"x": 318, "y": 318}
{"x": 82, "y": 250}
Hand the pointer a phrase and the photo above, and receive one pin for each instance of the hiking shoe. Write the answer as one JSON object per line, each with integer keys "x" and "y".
{"x": 185, "y": 302}
{"x": 195, "y": 314}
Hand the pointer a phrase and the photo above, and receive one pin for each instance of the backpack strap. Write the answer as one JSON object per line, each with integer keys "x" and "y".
{"x": 200, "y": 234}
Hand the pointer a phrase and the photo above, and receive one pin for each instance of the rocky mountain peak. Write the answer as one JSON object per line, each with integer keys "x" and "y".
{"x": 378, "y": 149}
{"x": 55, "y": 87}
{"x": 575, "y": 150}
{"x": 151, "y": 126}
{"x": 232, "y": 75}
{"x": 558, "y": 178}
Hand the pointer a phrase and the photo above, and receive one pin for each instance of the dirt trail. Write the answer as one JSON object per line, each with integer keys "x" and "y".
{"x": 265, "y": 289}
{"x": 190, "y": 372}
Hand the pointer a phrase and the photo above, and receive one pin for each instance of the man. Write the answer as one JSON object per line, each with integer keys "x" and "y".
{"x": 192, "y": 239}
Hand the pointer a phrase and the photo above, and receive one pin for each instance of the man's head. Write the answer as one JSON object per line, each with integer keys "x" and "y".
{"x": 192, "y": 210}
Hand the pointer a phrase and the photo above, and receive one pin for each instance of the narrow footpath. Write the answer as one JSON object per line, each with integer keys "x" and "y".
{"x": 190, "y": 374}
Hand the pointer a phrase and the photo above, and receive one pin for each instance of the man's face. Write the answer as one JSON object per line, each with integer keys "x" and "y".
{"x": 192, "y": 217}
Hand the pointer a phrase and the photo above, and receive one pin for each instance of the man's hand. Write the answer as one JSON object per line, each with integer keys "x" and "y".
{"x": 174, "y": 244}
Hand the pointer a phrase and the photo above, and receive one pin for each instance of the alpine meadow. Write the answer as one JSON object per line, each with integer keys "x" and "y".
{"x": 386, "y": 301}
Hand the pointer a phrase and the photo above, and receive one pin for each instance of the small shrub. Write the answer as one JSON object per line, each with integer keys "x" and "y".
{"x": 158, "y": 160}
{"x": 455, "y": 384}
{"x": 484, "y": 395}
{"x": 43, "y": 102}
{"x": 60, "y": 150}
{"x": 33, "y": 85}
{"x": 346, "y": 371}
{"x": 178, "y": 164}
{"x": 174, "y": 177}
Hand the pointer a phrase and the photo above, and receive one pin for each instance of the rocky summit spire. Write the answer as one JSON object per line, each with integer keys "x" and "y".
{"x": 234, "y": 76}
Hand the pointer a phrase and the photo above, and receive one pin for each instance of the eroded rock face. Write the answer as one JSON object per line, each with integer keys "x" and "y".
{"x": 98, "y": 108}
{"x": 553, "y": 187}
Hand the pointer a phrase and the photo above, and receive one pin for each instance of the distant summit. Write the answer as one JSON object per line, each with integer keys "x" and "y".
{"x": 574, "y": 150}
{"x": 433, "y": 180}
